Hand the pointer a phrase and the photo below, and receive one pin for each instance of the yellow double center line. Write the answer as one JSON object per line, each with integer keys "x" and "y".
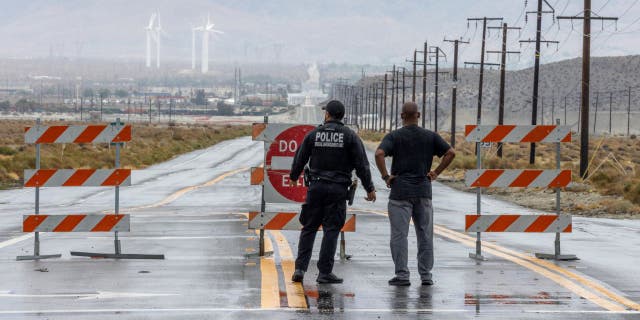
{"x": 578, "y": 284}
{"x": 270, "y": 292}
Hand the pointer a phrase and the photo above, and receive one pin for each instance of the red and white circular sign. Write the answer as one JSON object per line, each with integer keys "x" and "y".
{"x": 279, "y": 159}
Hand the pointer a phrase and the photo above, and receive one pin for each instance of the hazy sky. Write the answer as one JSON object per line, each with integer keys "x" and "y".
{"x": 357, "y": 31}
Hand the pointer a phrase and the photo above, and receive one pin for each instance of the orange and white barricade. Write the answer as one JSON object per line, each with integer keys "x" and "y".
{"x": 281, "y": 141}
{"x": 116, "y": 134}
{"x": 518, "y": 178}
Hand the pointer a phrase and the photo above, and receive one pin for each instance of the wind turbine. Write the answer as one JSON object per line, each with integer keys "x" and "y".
{"x": 150, "y": 33}
{"x": 208, "y": 27}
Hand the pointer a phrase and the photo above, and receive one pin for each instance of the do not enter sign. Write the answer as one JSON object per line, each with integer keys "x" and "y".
{"x": 278, "y": 162}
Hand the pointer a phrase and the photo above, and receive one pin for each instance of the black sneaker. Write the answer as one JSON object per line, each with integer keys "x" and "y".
{"x": 427, "y": 282}
{"x": 297, "y": 276}
{"x": 328, "y": 278}
{"x": 395, "y": 281}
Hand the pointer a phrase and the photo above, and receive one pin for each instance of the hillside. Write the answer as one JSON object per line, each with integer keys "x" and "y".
{"x": 557, "y": 80}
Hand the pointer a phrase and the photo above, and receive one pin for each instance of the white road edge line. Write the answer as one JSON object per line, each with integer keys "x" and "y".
{"x": 338, "y": 311}
{"x": 15, "y": 240}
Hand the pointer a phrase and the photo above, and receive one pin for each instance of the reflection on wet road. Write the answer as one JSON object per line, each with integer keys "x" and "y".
{"x": 194, "y": 210}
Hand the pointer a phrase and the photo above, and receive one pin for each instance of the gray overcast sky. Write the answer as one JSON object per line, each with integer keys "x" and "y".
{"x": 357, "y": 31}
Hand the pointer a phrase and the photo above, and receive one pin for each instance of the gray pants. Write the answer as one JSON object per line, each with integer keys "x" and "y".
{"x": 400, "y": 214}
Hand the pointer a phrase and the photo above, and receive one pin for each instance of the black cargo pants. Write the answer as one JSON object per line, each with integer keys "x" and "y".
{"x": 325, "y": 206}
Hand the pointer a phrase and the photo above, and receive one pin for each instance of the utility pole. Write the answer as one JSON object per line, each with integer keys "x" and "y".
{"x": 595, "y": 115}
{"x": 482, "y": 63}
{"x": 425, "y": 53}
{"x": 397, "y": 88}
{"x": 586, "y": 61}
{"x": 454, "y": 90}
{"x": 437, "y": 72}
{"x": 503, "y": 66}
{"x": 374, "y": 123}
{"x": 565, "y": 110}
{"x": 393, "y": 92}
{"x": 413, "y": 86}
{"x": 383, "y": 101}
{"x": 384, "y": 105}
{"x": 629, "y": 113}
{"x": 553, "y": 108}
{"x": 610, "y": 113}
{"x": 536, "y": 68}
{"x": 424, "y": 63}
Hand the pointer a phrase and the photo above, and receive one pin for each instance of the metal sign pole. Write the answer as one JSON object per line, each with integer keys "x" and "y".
{"x": 478, "y": 254}
{"x": 36, "y": 236}
{"x": 116, "y": 241}
{"x": 557, "y": 255}
{"x": 343, "y": 253}
{"x": 262, "y": 202}
{"x": 36, "y": 242}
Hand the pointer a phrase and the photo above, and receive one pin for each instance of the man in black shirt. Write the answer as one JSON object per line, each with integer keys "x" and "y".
{"x": 333, "y": 151}
{"x": 412, "y": 149}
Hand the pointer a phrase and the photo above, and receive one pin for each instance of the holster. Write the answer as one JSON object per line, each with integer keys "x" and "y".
{"x": 352, "y": 192}
{"x": 306, "y": 176}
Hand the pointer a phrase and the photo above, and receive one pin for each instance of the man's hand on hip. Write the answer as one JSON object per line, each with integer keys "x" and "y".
{"x": 294, "y": 183}
{"x": 389, "y": 180}
{"x": 371, "y": 196}
{"x": 432, "y": 175}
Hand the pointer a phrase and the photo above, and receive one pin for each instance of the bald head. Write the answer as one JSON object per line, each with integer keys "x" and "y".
{"x": 410, "y": 113}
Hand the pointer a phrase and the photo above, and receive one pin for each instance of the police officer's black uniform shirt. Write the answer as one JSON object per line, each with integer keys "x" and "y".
{"x": 412, "y": 149}
{"x": 333, "y": 151}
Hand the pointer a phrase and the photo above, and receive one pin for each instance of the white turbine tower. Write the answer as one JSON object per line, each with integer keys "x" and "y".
{"x": 208, "y": 27}
{"x": 150, "y": 34}
{"x": 158, "y": 33}
{"x": 193, "y": 45}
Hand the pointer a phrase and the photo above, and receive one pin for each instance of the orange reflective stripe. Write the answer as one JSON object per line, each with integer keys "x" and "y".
{"x": 257, "y": 129}
{"x": 252, "y": 215}
{"x": 124, "y": 135}
{"x": 32, "y": 222}
{"x": 257, "y": 176}
{"x": 538, "y": 134}
{"x": 40, "y": 177}
{"x": 279, "y": 221}
{"x": 567, "y": 138}
{"x": 502, "y": 223}
{"x": 562, "y": 180}
{"x": 569, "y": 228}
{"x": 89, "y": 134}
{"x": 541, "y": 224}
{"x": 525, "y": 178}
{"x": 117, "y": 177}
{"x": 487, "y": 178}
{"x": 469, "y": 220}
{"x": 52, "y": 134}
{"x": 350, "y": 225}
{"x": 69, "y": 223}
{"x": 468, "y": 129}
{"x": 107, "y": 223}
{"x": 498, "y": 133}
{"x": 78, "y": 177}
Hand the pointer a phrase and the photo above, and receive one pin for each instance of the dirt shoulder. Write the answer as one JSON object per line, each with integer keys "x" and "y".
{"x": 608, "y": 193}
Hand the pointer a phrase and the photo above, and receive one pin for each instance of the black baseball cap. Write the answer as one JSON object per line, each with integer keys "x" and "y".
{"x": 335, "y": 108}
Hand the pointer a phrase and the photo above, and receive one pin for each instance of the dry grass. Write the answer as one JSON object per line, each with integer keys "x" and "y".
{"x": 150, "y": 144}
{"x": 614, "y": 166}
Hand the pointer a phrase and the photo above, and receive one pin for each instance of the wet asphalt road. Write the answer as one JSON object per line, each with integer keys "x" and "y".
{"x": 193, "y": 210}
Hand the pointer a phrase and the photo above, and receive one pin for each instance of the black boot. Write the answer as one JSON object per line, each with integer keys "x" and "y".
{"x": 328, "y": 278}
{"x": 298, "y": 275}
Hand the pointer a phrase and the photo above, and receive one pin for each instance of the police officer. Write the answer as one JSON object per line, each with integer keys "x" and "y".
{"x": 332, "y": 151}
